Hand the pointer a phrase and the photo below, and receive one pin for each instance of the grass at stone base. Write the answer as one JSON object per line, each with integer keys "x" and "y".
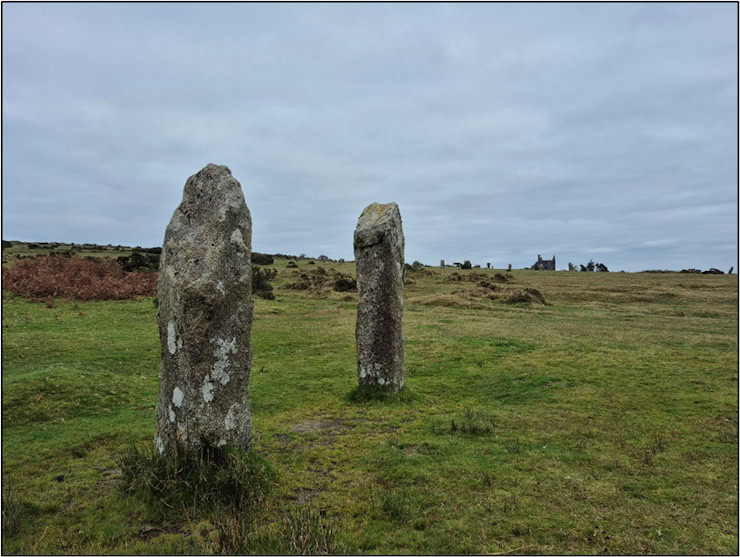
{"x": 610, "y": 420}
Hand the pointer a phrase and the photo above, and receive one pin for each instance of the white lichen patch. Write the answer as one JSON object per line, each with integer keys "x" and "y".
{"x": 221, "y": 443}
{"x": 381, "y": 381}
{"x": 223, "y": 349}
{"x": 160, "y": 444}
{"x": 207, "y": 389}
{"x": 171, "y": 339}
{"x": 220, "y": 287}
{"x": 172, "y": 415}
{"x": 179, "y": 343}
{"x": 230, "y": 421}
{"x": 238, "y": 239}
{"x": 178, "y": 396}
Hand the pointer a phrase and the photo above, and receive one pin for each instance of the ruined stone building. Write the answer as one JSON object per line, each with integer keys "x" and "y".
{"x": 544, "y": 264}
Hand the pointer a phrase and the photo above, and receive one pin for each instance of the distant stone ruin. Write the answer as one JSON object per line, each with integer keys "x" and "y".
{"x": 544, "y": 264}
{"x": 205, "y": 317}
{"x": 379, "y": 255}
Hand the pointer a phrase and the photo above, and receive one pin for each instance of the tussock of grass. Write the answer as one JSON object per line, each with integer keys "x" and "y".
{"x": 304, "y": 532}
{"x": 525, "y": 296}
{"x": 397, "y": 506}
{"x": 213, "y": 479}
{"x": 12, "y": 510}
{"x": 362, "y": 394}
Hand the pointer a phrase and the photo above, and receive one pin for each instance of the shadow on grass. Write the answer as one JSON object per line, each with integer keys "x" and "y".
{"x": 364, "y": 394}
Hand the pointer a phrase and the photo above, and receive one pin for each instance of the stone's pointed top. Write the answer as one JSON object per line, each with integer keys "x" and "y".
{"x": 215, "y": 168}
{"x": 374, "y": 222}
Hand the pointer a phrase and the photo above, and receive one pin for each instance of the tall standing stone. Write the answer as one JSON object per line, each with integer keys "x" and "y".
{"x": 442, "y": 263}
{"x": 205, "y": 317}
{"x": 379, "y": 255}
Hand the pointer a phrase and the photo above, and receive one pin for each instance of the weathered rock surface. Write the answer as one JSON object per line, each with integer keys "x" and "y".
{"x": 205, "y": 317}
{"x": 379, "y": 256}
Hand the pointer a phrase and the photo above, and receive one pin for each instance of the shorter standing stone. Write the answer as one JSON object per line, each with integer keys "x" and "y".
{"x": 488, "y": 265}
{"x": 442, "y": 263}
{"x": 509, "y": 266}
{"x": 379, "y": 256}
{"x": 730, "y": 271}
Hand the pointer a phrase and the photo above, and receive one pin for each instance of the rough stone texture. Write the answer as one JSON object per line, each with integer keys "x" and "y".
{"x": 379, "y": 256}
{"x": 205, "y": 316}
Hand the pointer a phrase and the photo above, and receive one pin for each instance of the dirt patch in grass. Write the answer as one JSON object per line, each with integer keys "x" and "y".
{"x": 311, "y": 426}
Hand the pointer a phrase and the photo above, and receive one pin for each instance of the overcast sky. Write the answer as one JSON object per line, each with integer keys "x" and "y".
{"x": 503, "y": 131}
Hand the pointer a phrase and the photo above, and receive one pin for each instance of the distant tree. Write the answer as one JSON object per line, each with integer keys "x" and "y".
{"x": 590, "y": 266}
{"x": 583, "y": 269}
{"x": 323, "y": 258}
{"x": 466, "y": 265}
{"x": 601, "y": 268}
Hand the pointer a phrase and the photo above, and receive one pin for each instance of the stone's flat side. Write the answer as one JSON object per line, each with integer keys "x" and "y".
{"x": 205, "y": 316}
{"x": 379, "y": 257}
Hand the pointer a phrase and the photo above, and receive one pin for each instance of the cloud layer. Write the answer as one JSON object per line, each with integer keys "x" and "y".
{"x": 599, "y": 131}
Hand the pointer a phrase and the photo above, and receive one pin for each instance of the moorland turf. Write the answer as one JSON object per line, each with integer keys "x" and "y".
{"x": 605, "y": 421}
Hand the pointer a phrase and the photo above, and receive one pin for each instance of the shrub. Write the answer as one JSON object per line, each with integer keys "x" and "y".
{"x": 292, "y": 265}
{"x": 261, "y": 259}
{"x": 260, "y": 285}
{"x": 138, "y": 262}
{"x": 44, "y": 277}
{"x": 345, "y": 283}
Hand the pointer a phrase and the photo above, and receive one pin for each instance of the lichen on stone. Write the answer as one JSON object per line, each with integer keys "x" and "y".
{"x": 171, "y": 339}
{"x": 223, "y": 349}
{"x": 178, "y": 396}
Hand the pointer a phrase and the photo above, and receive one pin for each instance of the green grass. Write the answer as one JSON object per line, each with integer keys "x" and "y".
{"x": 603, "y": 422}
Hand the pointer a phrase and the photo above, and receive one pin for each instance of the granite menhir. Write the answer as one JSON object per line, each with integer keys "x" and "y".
{"x": 379, "y": 247}
{"x": 205, "y": 317}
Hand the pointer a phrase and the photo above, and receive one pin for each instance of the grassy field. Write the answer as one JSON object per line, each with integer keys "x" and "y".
{"x": 604, "y": 421}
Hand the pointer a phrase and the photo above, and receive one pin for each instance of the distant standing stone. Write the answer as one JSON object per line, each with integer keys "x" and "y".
{"x": 730, "y": 271}
{"x": 205, "y": 317}
{"x": 379, "y": 255}
{"x": 442, "y": 263}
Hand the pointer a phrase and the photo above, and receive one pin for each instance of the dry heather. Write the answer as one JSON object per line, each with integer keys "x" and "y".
{"x": 46, "y": 277}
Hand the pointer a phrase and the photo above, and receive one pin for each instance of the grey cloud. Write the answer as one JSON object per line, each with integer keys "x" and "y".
{"x": 603, "y": 131}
